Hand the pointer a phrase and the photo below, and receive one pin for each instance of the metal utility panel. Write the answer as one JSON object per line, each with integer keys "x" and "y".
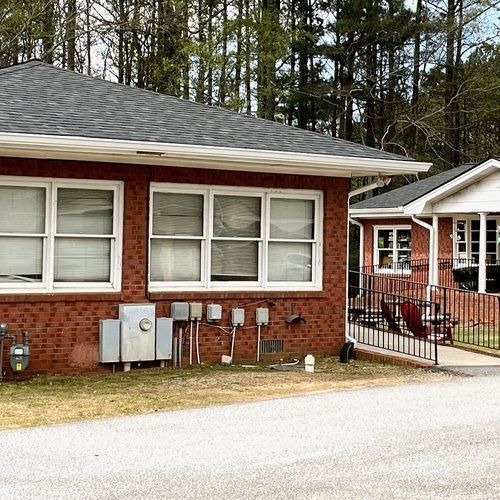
{"x": 179, "y": 311}
{"x": 109, "y": 341}
{"x": 164, "y": 332}
{"x": 138, "y": 328}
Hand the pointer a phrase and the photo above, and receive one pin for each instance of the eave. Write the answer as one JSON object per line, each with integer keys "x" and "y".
{"x": 194, "y": 156}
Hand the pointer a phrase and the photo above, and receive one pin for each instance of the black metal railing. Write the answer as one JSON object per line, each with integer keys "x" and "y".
{"x": 474, "y": 317}
{"x": 393, "y": 314}
{"x": 466, "y": 317}
{"x": 452, "y": 273}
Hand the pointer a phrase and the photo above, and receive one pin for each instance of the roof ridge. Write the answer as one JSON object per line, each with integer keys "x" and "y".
{"x": 23, "y": 65}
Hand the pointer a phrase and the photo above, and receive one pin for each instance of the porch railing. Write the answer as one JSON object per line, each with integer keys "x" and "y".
{"x": 452, "y": 273}
{"x": 473, "y": 318}
{"x": 374, "y": 311}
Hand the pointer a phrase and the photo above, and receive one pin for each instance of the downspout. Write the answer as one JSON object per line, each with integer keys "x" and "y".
{"x": 380, "y": 182}
{"x": 431, "y": 278}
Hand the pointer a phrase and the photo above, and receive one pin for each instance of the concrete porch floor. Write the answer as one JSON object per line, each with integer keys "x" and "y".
{"x": 448, "y": 356}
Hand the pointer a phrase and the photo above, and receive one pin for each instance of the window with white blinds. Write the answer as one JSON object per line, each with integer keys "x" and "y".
{"x": 234, "y": 238}
{"x": 59, "y": 235}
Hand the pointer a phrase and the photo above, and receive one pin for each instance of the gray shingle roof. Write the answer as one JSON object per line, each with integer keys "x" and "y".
{"x": 402, "y": 196}
{"x": 37, "y": 98}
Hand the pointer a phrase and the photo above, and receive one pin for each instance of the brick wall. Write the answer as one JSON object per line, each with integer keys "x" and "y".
{"x": 64, "y": 327}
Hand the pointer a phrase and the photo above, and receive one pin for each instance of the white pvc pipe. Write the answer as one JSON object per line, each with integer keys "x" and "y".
{"x": 232, "y": 342}
{"x": 258, "y": 343}
{"x": 198, "y": 342}
{"x": 181, "y": 333}
{"x": 190, "y": 343}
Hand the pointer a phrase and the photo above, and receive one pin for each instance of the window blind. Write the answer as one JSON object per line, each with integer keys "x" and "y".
{"x": 22, "y": 210}
{"x": 21, "y": 259}
{"x": 292, "y": 219}
{"x": 237, "y": 216}
{"x": 84, "y": 211}
{"x": 175, "y": 260}
{"x": 234, "y": 261}
{"x": 82, "y": 260}
{"x": 290, "y": 261}
{"x": 177, "y": 214}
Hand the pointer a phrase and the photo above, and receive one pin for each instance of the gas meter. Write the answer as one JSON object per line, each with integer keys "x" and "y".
{"x": 20, "y": 354}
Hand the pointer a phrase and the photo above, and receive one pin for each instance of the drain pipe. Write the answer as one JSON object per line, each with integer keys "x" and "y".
{"x": 380, "y": 182}
{"x": 432, "y": 271}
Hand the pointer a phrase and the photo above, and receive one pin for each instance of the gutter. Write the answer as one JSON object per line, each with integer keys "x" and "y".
{"x": 198, "y": 156}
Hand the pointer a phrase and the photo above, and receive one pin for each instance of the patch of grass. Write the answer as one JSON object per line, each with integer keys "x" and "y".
{"x": 481, "y": 338}
{"x": 51, "y": 400}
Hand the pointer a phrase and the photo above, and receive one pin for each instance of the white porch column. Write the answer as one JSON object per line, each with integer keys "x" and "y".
{"x": 435, "y": 255}
{"x": 482, "y": 253}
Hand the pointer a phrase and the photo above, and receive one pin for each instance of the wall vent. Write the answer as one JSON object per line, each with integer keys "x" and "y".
{"x": 271, "y": 346}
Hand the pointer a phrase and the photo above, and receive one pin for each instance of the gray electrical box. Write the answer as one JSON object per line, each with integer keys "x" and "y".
{"x": 262, "y": 316}
{"x": 195, "y": 311}
{"x": 214, "y": 312}
{"x": 109, "y": 341}
{"x": 164, "y": 332}
{"x": 238, "y": 317}
{"x": 138, "y": 328}
{"x": 179, "y": 311}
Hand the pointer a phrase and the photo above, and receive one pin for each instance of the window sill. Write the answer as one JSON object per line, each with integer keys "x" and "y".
{"x": 235, "y": 294}
{"x": 60, "y": 296}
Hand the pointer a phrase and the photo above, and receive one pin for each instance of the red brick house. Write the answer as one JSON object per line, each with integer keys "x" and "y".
{"x": 112, "y": 195}
{"x": 450, "y": 223}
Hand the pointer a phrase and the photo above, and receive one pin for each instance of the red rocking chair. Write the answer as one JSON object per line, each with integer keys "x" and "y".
{"x": 412, "y": 316}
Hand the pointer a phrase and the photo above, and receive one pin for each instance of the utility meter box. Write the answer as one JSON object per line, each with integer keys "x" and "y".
{"x": 262, "y": 316}
{"x": 164, "y": 333}
{"x": 138, "y": 331}
{"x": 19, "y": 357}
{"x": 195, "y": 311}
{"x": 238, "y": 317}
{"x": 109, "y": 341}
{"x": 214, "y": 312}
{"x": 179, "y": 311}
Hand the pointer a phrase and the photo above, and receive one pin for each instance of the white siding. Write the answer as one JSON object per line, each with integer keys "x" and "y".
{"x": 482, "y": 196}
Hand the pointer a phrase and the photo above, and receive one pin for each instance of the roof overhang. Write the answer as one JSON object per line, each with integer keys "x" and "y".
{"x": 423, "y": 205}
{"x": 376, "y": 213}
{"x": 192, "y": 156}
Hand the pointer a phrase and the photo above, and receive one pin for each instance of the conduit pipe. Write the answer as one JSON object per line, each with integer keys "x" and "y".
{"x": 197, "y": 335}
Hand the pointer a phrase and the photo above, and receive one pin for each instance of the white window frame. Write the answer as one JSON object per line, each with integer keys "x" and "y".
{"x": 376, "y": 255}
{"x": 209, "y": 192}
{"x": 468, "y": 234}
{"x": 47, "y": 285}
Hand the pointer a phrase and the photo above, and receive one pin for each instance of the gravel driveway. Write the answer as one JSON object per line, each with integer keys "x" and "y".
{"x": 432, "y": 440}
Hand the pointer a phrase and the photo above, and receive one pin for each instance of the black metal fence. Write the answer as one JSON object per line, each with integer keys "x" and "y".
{"x": 452, "y": 273}
{"x": 462, "y": 316}
{"x": 393, "y": 314}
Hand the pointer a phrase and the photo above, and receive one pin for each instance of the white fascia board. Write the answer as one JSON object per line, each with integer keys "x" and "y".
{"x": 424, "y": 203}
{"x": 377, "y": 213}
{"x": 192, "y": 156}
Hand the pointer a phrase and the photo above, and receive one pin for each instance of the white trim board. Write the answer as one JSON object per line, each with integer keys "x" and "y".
{"x": 206, "y": 157}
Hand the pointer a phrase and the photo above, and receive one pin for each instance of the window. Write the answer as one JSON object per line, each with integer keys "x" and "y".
{"x": 467, "y": 237}
{"x": 392, "y": 246}
{"x": 216, "y": 238}
{"x": 58, "y": 235}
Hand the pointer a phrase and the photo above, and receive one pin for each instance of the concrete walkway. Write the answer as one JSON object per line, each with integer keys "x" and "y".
{"x": 385, "y": 343}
